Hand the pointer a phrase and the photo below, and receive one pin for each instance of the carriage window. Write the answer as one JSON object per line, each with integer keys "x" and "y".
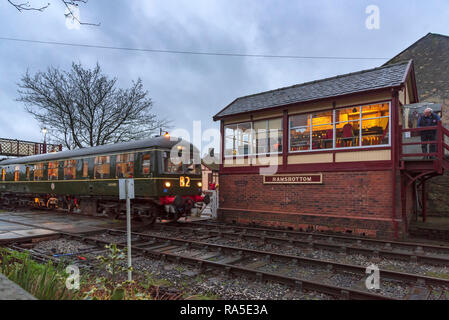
{"x": 53, "y": 170}
{"x": 146, "y": 163}
{"x": 28, "y": 173}
{"x": 125, "y": 165}
{"x": 102, "y": 168}
{"x": 16, "y": 173}
{"x": 39, "y": 172}
{"x": 69, "y": 169}
{"x": 3, "y": 174}
{"x": 85, "y": 168}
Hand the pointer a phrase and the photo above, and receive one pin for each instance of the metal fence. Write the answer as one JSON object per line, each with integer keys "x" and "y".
{"x": 20, "y": 148}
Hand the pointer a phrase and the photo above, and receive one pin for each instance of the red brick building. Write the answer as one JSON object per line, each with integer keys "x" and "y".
{"x": 335, "y": 146}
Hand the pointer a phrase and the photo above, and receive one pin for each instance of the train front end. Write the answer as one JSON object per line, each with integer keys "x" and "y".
{"x": 180, "y": 181}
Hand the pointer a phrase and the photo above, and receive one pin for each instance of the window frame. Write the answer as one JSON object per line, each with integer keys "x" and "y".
{"x": 120, "y": 161}
{"x": 334, "y": 123}
{"x": 252, "y": 141}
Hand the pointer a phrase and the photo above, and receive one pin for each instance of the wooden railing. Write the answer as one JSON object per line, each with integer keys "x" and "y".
{"x": 441, "y": 147}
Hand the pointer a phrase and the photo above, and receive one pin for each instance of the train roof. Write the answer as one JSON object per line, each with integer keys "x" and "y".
{"x": 159, "y": 142}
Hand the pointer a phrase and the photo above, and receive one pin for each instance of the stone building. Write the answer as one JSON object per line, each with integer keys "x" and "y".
{"x": 430, "y": 55}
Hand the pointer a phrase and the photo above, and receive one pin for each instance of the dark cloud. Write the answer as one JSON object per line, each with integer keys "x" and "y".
{"x": 186, "y": 88}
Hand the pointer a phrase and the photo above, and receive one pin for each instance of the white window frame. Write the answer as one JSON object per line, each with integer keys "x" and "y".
{"x": 252, "y": 137}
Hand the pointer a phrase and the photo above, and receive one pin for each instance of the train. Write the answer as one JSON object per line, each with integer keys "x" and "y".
{"x": 167, "y": 181}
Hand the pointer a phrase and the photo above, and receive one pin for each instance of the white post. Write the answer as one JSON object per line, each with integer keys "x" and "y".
{"x": 128, "y": 227}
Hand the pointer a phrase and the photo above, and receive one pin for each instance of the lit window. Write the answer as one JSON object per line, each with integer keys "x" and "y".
{"x": 102, "y": 168}
{"x": 146, "y": 163}
{"x": 341, "y": 128}
{"x": 375, "y": 124}
{"x": 16, "y": 173}
{"x": 125, "y": 165}
{"x": 85, "y": 168}
{"x": 3, "y": 174}
{"x": 322, "y": 130}
{"x": 347, "y": 127}
{"x": 300, "y": 132}
{"x": 69, "y": 169}
{"x": 53, "y": 170}
{"x": 39, "y": 171}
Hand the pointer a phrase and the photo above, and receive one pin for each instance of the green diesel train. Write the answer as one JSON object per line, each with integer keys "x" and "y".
{"x": 167, "y": 182}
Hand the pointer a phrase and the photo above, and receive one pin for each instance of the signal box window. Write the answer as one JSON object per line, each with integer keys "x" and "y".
{"x": 125, "y": 165}
{"x": 69, "y": 169}
{"x": 102, "y": 168}
{"x": 53, "y": 170}
{"x": 146, "y": 163}
{"x": 39, "y": 172}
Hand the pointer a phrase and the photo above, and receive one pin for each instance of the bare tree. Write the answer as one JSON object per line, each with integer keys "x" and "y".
{"x": 83, "y": 107}
{"x": 69, "y": 5}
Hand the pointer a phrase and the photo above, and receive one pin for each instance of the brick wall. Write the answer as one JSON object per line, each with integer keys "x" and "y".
{"x": 348, "y": 202}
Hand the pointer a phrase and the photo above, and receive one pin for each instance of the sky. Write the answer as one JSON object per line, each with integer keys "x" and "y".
{"x": 187, "y": 88}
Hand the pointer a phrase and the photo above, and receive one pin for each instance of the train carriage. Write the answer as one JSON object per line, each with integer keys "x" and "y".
{"x": 167, "y": 179}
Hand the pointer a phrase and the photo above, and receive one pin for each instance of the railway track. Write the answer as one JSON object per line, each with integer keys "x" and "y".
{"x": 338, "y": 280}
{"x": 407, "y": 251}
{"x": 303, "y": 273}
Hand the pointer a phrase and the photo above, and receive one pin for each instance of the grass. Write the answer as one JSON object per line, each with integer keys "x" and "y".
{"x": 44, "y": 281}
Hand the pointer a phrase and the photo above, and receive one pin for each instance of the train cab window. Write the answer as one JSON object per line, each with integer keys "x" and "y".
{"x": 39, "y": 171}
{"x": 16, "y": 173}
{"x": 69, "y": 169}
{"x": 53, "y": 170}
{"x": 125, "y": 165}
{"x": 169, "y": 166}
{"x": 146, "y": 164}
{"x": 102, "y": 168}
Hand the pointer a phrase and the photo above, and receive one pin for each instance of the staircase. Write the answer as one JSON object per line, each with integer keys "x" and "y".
{"x": 415, "y": 165}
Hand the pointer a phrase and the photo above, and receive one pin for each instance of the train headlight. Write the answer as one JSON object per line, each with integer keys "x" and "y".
{"x": 200, "y": 184}
{"x": 167, "y": 184}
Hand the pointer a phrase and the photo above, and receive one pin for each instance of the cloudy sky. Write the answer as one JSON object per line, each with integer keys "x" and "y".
{"x": 186, "y": 88}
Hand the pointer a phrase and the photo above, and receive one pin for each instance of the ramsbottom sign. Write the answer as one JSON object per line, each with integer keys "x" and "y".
{"x": 315, "y": 178}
